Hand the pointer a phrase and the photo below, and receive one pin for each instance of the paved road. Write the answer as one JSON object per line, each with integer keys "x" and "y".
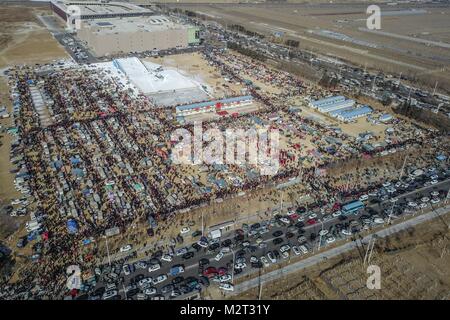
{"x": 271, "y": 276}
{"x": 192, "y": 267}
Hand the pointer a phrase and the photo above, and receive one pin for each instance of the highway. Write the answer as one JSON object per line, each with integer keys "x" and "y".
{"x": 334, "y": 225}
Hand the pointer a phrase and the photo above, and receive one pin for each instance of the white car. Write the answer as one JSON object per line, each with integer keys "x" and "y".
{"x": 433, "y": 181}
{"x": 145, "y": 281}
{"x": 363, "y": 197}
{"x": 435, "y": 193}
{"x": 219, "y": 256}
{"x": 312, "y": 216}
{"x": 303, "y": 249}
{"x": 154, "y": 267}
{"x": 225, "y": 250}
{"x": 423, "y": 205}
{"x": 126, "y": 269}
{"x": 126, "y": 248}
{"x": 109, "y": 294}
{"x": 346, "y": 232}
{"x": 285, "y": 248}
{"x": 412, "y": 204}
{"x": 150, "y": 291}
{"x": 435, "y": 200}
{"x": 240, "y": 265}
{"x": 226, "y": 286}
{"x": 425, "y": 199}
{"x": 167, "y": 257}
{"x": 225, "y": 278}
{"x": 285, "y": 220}
{"x": 264, "y": 261}
{"x": 331, "y": 239}
{"x": 323, "y": 232}
{"x": 296, "y": 251}
{"x": 159, "y": 279}
{"x": 202, "y": 244}
{"x": 378, "y": 220}
{"x": 271, "y": 257}
{"x": 337, "y": 213}
{"x": 393, "y": 200}
{"x": 185, "y": 230}
{"x": 285, "y": 254}
{"x": 386, "y": 184}
{"x": 253, "y": 259}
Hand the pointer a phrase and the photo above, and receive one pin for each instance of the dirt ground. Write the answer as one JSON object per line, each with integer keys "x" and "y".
{"x": 413, "y": 264}
{"x": 24, "y": 40}
{"x": 193, "y": 65}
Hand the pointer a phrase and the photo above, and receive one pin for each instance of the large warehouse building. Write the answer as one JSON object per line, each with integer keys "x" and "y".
{"x": 89, "y": 10}
{"x": 137, "y": 34}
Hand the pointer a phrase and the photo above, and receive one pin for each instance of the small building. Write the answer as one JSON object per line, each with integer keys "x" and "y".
{"x": 332, "y": 104}
{"x": 352, "y": 114}
{"x": 386, "y": 117}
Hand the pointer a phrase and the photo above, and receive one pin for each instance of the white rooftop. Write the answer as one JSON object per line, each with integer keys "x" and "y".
{"x": 153, "y": 78}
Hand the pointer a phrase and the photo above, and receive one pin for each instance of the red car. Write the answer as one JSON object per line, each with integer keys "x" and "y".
{"x": 222, "y": 270}
{"x": 210, "y": 272}
{"x": 311, "y": 222}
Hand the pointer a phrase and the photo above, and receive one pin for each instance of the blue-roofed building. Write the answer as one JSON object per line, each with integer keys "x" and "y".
{"x": 351, "y": 207}
{"x": 385, "y": 117}
{"x": 214, "y": 105}
{"x": 327, "y": 101}
{"x": 354, "y": 113}
{"x": 332, "y": 104}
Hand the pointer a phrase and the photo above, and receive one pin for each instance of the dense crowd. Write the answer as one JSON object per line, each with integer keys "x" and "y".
{"x": 105, "y": 159}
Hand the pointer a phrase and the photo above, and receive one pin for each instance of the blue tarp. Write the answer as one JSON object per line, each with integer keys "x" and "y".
{"x": 72, "y": 226}
{"x": 78, "y": 172}
{"x": 441, "y": 157}
{"x": 74, "y": 160}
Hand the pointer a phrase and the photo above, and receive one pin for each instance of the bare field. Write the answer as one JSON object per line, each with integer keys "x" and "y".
{"x": 413, "y": 265}
{"x": 23, "y": 40}
{"x": 306, "y": 23}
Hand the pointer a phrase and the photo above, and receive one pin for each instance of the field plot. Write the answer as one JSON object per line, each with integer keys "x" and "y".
{"x": 340, "y": 30}
{"x": 413, "y": 265}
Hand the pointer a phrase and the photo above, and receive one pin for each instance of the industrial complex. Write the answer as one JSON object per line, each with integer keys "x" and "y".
{"x": 110, "y": 28}
{"x": 137, "y": 34}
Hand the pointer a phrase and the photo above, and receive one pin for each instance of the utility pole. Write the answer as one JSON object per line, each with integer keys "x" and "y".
{"x": 107, "y": 250}
{"x": 435, "y": 86}
{"x": 371, "y": 250}
{"x": 203, "y": 225}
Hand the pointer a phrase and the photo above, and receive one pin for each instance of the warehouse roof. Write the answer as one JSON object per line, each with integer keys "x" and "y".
{"x": 94, "y": 8}
{"x": 132, "y": 24}
{"x": 337, "y": 105}
{"x": 326, "y": 101}
{"x": 349, "y": 114}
